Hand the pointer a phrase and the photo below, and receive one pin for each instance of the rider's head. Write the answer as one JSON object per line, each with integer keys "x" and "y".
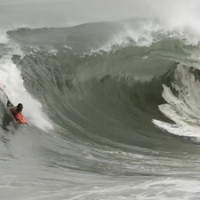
{"x": 19, "y": 107}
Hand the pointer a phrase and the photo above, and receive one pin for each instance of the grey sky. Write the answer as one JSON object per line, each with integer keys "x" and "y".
{"x": 69, "y": 12}
{"x": 63, "y": 12}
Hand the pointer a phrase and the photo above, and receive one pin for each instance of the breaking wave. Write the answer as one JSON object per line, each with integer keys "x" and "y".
{"x": 104, "y": 100}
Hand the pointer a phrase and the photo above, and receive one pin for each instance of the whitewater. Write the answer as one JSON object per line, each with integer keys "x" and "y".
{"x": 112, "y": 110}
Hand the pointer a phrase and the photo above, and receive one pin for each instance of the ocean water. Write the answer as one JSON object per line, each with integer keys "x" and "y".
{"x": 112, "y": 110}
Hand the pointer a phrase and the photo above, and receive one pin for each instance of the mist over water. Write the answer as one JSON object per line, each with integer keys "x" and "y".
{"x": 111, "y": 103}
{"x": 55, "y": 13}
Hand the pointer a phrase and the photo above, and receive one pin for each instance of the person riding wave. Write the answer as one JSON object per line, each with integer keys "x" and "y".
{"x": 17, "y": 113}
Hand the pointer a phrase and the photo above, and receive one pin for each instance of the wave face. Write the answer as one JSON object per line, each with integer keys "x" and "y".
{"x": 112, "y": 111}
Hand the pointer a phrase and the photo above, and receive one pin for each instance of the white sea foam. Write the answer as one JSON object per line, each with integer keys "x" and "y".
{"x": 3, "y": 37}
{"x": 143, "y": 33}
{"x": 182, "y": 108}
{"x": 10, "y": 77}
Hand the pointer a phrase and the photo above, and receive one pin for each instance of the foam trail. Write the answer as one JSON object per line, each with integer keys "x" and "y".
{"x": 10, "y": 77}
